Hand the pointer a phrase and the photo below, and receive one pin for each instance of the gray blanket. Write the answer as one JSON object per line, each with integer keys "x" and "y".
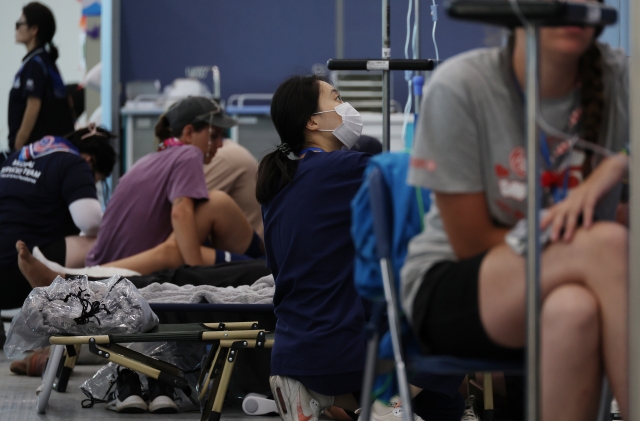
{"x": 260, "y": 292}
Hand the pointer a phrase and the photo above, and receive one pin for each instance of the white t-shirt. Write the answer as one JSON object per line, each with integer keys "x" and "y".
{"x": 470, "y": 138}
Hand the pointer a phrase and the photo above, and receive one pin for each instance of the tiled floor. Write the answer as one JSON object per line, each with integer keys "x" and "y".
{"x": 18, "y": 401}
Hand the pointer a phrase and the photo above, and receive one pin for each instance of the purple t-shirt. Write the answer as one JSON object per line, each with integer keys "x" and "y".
{"x": 138, "y": 216}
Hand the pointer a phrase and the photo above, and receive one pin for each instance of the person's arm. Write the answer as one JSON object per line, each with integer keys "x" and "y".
{"x": 28, "y": 121}
{"x": 87, "y": 215}
{"x": 467, "y": 222}
{"x": 584, "y": 198}
{"x": 184, "y": 228}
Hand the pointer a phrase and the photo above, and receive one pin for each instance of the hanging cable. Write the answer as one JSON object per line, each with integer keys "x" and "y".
{"x": 434, "y": 18}
{"x": 408, "y": 38}
{"x": 408, "y": 74}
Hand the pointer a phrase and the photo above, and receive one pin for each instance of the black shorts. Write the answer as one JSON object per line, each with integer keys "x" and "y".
{"x": 446, "y": 314}
{"x": 56, "y": 251}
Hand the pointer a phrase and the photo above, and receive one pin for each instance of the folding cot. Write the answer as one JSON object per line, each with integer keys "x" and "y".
{"x": 227, "y": 339}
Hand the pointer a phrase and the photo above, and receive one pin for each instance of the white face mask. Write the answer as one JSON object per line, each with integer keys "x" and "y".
{"x": 349, "y": 131}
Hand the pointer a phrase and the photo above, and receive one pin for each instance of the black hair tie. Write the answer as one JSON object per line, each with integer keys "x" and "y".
{"x": 284, "y": 148}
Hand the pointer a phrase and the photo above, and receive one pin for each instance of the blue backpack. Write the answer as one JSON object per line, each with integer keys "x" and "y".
{"x": 409, "y": 206}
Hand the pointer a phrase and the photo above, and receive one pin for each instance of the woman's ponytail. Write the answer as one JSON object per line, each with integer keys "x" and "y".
{"x": 293, "y": 104}
{"x": 276, "y": 170}
{"x": 591, "y": 99}
{"x": 163, "y": 129}
{"x": 53, "y": 51}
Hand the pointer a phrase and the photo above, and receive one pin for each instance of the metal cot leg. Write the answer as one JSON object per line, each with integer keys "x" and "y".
{"x": 487, "y": 386}
{"x": 604, "y": 410}
{"x": 49, "y": 376}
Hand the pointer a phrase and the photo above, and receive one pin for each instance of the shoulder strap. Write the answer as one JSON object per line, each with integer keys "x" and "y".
{"x": 42, "y": 64}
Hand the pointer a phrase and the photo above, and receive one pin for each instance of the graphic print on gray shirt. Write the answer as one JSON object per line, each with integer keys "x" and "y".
{"x": 470, "y": 139}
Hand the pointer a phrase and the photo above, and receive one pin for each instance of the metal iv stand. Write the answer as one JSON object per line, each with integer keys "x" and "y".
{"x": 386, "y": 64}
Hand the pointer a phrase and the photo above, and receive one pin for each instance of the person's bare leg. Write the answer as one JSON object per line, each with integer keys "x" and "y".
{"x": 571, "y": 362}
{"x": 222, "y": 219}
{"x": 347, "y": 402}
{"x": 164, "y": 256}
{"x": 77, "y": 249}
{"x": 595, "y": 259}
{"x": 37, "y": 274}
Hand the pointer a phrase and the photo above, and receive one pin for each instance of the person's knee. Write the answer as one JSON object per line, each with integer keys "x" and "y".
{"x": 571, "y": 309}
{"x": 606, "y": 237}
{"x": 220, "y": 201}
{"x": 219, "y": 196}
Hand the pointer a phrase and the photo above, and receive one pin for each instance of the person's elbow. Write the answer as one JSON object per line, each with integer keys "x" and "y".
{"x": 182, "y": 210}
{"x": 92, "y": 227}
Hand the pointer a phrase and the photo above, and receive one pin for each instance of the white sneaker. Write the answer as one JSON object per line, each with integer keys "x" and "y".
{"x": 389, "y": 412}
{"x": 469, "y": 413}
{"x": 295, "y": 402}
{"x": 615, "y": 410}
{"x": 128, "y": 393}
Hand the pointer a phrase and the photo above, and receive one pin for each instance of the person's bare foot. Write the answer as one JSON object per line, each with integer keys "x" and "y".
{"x": 34, "y": 270}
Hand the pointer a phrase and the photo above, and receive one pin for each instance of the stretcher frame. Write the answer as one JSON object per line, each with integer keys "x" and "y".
{"x": 227, "y": 339}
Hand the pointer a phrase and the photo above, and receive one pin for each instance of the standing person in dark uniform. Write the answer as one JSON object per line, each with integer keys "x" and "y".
{"x": 38, "y": 103}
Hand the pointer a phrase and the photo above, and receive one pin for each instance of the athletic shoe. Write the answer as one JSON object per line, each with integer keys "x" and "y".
{"x": 161, "y": 397}
{"x": 128, "y": 393}
{"x": 615, "y": 410}
{"x": 391, "y": 411}
{"x": 469, "y": 413}
{"x": 295, "y": 402}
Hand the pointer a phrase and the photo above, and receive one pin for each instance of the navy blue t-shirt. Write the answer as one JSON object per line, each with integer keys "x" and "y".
{"x": 35, "y": 198}
{"x": 38, "y": 77}
{"x": 321, "y": 317}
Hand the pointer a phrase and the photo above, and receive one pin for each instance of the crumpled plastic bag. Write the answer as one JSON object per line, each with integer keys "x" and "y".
{"x": 77, "y": 306}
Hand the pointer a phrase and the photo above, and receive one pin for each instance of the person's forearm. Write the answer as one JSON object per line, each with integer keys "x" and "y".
{"x": 28, "y": 122}
{"x": 610, "y": 172}
{"x": 184, "y": 229}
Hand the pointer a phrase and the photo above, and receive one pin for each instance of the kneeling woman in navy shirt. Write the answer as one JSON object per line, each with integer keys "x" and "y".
{"x": 318, "y": 357}
{"x": 320, "y": 345}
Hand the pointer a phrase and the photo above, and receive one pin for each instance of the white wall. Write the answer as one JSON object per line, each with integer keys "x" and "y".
{"x": 67, "y": 39}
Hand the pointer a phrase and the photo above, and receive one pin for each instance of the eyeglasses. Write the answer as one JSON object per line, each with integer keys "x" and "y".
{"x": 19, "y": 24}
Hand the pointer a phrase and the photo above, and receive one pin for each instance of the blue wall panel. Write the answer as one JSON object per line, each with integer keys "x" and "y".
{"x": 256, "y": 44}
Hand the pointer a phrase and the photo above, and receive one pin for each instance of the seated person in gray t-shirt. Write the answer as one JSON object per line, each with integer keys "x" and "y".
{"x": 463, "y": 286}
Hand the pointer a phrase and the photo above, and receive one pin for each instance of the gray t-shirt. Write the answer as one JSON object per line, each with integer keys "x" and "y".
{"x": 470, "y": 139}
